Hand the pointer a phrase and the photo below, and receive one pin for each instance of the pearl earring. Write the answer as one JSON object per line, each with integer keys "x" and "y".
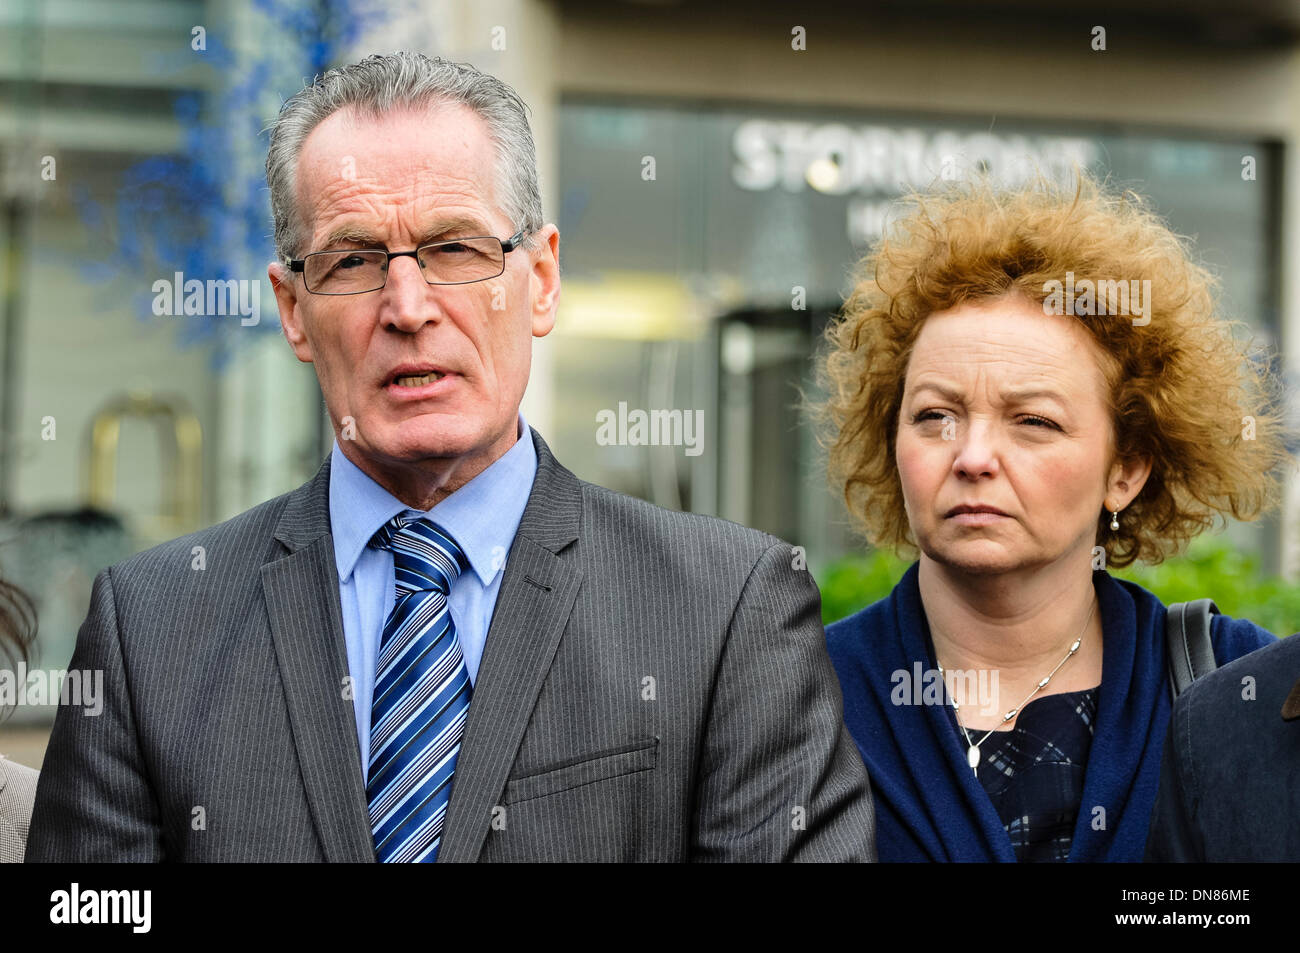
{"x": 1114, "y": 519}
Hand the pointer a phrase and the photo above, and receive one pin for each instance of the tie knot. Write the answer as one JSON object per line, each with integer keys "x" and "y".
{"x": 424, "y": 554}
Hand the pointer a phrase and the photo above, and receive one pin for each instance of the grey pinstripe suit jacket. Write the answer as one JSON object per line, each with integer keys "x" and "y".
{"x": 17, "y": 789}
{"x": 654, "y": 687}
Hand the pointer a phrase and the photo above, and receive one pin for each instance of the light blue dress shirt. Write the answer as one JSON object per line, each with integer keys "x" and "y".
{"x": 482, "y": 516}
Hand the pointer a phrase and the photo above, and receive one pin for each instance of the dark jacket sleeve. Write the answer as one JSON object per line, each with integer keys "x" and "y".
{"x": 93, "y": 800}
{"x": 780, "y": 778}
{"x": 1173, "y": 837}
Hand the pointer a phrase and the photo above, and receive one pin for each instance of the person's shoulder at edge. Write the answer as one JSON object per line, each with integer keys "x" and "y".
{"x": 1276, "y": 660}
{"x": 17, "y": 771}
{"x": 1214, "y": 742}
{"x": 17, "y": 796}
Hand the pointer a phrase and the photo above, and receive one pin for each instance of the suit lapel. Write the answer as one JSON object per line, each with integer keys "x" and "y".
{"x": 532, "y": 609}
{"x": 302, "y": 601}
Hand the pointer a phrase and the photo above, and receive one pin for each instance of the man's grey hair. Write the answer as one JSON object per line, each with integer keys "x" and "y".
{"x": 386, "y": 83}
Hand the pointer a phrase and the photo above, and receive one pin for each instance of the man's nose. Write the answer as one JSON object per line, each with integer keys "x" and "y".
{"x": 407, "y": 302}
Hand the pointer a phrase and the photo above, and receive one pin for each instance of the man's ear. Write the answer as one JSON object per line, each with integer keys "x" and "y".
{"x": 286, "y": 300}
{"x": 544, "y": 281}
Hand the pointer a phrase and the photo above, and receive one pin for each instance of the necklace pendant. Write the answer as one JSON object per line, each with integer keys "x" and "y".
{"x": 973, "y": 758}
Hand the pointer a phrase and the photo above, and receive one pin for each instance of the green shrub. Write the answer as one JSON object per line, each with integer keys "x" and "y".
{"x": 854, "y": 582}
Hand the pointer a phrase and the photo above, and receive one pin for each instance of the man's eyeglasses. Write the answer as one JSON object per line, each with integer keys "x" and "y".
{"x": 352, "y": 271}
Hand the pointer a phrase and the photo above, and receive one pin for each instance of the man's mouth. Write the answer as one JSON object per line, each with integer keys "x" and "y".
{"x": 418, "y": 380}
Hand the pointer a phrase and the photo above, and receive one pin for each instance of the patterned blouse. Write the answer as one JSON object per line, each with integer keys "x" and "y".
{"x": 1033, "y": 773}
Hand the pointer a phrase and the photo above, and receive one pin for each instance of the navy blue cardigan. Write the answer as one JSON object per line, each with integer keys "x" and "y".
{"x": 929, "y": 804}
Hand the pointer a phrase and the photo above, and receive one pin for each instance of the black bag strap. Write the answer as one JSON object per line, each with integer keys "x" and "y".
{"x": 1187, "y": 633}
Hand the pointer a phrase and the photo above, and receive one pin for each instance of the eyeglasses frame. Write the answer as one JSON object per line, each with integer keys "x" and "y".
{"x": 507, "y": 246}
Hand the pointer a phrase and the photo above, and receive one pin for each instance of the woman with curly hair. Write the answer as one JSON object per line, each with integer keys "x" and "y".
{"x": 17, "y": 782}
{"x": 1025, "y": 387}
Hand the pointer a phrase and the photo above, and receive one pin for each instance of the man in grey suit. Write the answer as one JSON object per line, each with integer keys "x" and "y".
{"x": 445, "y": 646}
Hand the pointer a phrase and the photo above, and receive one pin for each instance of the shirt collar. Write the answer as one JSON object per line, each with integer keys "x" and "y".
{"x": 482, "y": 516}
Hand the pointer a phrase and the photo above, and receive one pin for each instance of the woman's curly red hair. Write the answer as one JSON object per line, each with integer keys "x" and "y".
{"x": 1183, "y": 390}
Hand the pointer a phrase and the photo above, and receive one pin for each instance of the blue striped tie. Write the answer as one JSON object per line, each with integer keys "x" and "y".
{"x": 421, "y": 698}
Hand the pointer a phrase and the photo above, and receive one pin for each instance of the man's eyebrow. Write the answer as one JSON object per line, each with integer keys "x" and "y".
{"x": 462, "y": 223}
{"x": 352, "y": 234}
{"x": 360, "y": 235}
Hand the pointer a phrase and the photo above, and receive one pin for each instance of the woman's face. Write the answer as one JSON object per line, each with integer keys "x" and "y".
{"x": 1004, "y": 407}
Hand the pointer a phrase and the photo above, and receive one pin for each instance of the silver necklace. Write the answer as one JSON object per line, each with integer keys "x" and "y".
{"x": 973, "y": 747}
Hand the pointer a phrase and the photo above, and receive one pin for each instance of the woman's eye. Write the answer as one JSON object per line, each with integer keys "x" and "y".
{"x": 1039, "y": 421}
{"x": 1031, "y": 419}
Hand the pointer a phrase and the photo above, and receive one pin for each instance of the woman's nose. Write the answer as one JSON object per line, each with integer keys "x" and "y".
{"x": 977, "y": 450}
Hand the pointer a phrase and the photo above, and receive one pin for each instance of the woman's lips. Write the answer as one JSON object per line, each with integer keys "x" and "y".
{"x": 975, "y": 514}
{"x": 977, "y": 519}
